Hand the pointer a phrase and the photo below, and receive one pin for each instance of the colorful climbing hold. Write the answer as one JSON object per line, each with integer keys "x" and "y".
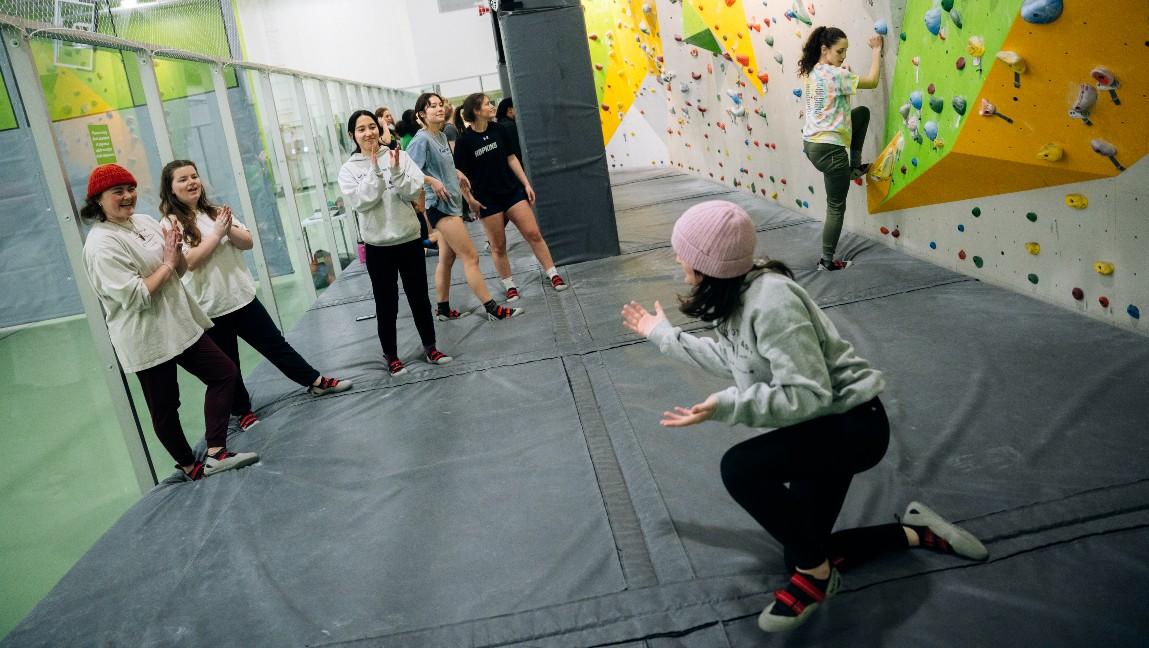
{"x": 1104, "y": 301}
{"x": 1133, "y": 311}
{"x": 1078, "y": 294}
{"x": 1033, "y": 248}
{"x": 960, "y": 63}
{"x": 1051, "y": 152}
{"x": 961, "y": 227}
{"x": 1032, "y": 278}
{"x": 1077, "y": 201}
{"x": 884, "y": 230}
{"x": 1041, "y": 12}
{"x": 902, "y": 36}
{"x": 1032, "y": 217}
{"x": 976, "y": 211}
{"x": 961, "y": 254}
{"x": 811, "y": 188}
{"x": 977, "y": 261}
{"x": 1104, "y": 268}
{"x": 881, "y": 27}
{"x": 933, "y": 245}
{"x": 896, "y": 233}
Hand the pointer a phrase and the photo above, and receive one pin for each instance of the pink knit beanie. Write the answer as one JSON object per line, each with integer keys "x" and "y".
{"x": 715, "y": 238}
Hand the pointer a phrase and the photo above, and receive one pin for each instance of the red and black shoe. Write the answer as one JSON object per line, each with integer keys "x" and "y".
{"x": 396, "y": 367}
{"x": 437, "y": 357}
{"x": 558, "y": 284}
{"x": 453, "y": 314}
{"x": 794, "y": 604}
{"x": 512, "y": 294}
{"x": 329, "y": 386}
{"x": 835, "y": 265}
{"x": 504, "y": 313}
{"x": 248, "y": 421}
{"x": 196, "y": 472}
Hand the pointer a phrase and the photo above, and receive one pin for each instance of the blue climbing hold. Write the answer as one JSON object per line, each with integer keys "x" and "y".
{"x": 933, "y": 20}
{"x": 916, "y": 99}
{"x": 1133, "y": 311}
{"x": 798, "y": 92}
{"x": 961, "y": 228}
{"x": 933, "y": 245}
{"x": 1041, "y": 12}
{"x": 881, "y": 27}
{"x": 931, "y": 129}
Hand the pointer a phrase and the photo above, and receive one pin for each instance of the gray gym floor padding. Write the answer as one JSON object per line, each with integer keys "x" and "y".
{"x": 525, "y": 495}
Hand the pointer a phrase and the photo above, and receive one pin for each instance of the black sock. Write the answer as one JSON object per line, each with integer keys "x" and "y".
{"x": 800, "y": 595}
{"x": 445, "y": 307}
{"x": 491, "y": 306}
{"x": 855, "y": 159}
{"x": 428, "y": 348}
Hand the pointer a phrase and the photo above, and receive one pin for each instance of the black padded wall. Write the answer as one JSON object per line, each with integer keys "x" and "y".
{"x": 561, "y": 135}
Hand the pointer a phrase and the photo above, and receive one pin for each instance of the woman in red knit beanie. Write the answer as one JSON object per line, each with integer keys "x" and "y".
{"x": 154, "y": 324}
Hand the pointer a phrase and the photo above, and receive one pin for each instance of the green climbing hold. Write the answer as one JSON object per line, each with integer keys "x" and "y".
{"x": 1032, "y": 278}
{"x": 1032, "y": 217}
{"x": 947, "y": 5}
{"x": 902, "y": 35}
{"x": 799, "y": 202}
{"x": 771, "y": 178}
{"x": 811, "y": 188}
{"x": 977, "y": 261}
{"x": 976, "y": 212}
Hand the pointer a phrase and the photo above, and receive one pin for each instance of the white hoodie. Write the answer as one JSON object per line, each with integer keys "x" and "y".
{"x": 382, "y": 197}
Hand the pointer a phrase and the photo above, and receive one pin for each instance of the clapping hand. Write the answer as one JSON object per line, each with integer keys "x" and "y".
{"x": 640, "y": 320}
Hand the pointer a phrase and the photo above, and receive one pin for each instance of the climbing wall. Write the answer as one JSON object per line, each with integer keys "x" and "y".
{"x": 1020, "y": 196}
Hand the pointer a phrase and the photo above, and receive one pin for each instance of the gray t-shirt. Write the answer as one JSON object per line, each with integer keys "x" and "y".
{"x": 433, "y": 155}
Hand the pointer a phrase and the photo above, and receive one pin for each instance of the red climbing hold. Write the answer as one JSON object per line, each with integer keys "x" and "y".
{"x": 1104, "y": 301}
{"x": 764, "y": 78}
{"x": 743, "y": 60}
{"x": 885, "y": 230}
{"x": 1078, "y": 294}
{"x": 783, "y": 180}
{"x": 896, "y": 233}
{"x": 961, "y": 254}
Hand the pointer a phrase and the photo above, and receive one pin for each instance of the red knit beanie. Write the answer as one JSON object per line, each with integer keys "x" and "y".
{"x": 106, "y": 176}
{"x": 715, "y": 238}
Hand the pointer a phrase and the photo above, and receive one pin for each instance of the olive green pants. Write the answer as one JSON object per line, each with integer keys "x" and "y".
{"x": 835, "y": 164}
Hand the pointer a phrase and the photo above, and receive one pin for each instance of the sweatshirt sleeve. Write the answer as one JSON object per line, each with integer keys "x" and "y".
{"x": 115, "y": 278}
{"x": 363, "y": 193}
{"x": 700, "y": 352}
{"x": 407, "y": 180}
{"x": 799, "y": 387}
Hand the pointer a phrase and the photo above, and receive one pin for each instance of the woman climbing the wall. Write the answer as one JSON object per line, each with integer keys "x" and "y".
{"x": 793, "y": 372}
{"x": 218, "y": 279}
{"x": 833, "y": 134}
{"x": 444, "y": 201}
{"x": 134, "y": 267}
{"x": 500, "y": 191}
{"x": 380, "y": 185}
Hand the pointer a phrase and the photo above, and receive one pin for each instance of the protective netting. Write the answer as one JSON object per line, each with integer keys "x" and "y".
{"x": 195, "y": 25}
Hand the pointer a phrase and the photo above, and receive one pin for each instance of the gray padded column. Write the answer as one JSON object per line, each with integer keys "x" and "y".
{"x": 561, "y": 135}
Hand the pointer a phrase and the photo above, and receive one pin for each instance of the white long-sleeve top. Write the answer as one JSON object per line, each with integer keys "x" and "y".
{"x": 383, "y": 197}
{"x": 222, "y": 283}
{"x": 146, "y": 329}
{"x": 786, "y": 358}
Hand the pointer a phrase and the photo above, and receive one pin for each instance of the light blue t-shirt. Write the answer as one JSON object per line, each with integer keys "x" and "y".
{"x": 433, "y": 155}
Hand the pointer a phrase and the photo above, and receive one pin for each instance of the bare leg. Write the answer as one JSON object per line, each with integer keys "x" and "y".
{"x": 496, "y": 227}
{"x": 453, "y": 232}
{"x": 443, "y": 270}
{"x": 523, "y": 218}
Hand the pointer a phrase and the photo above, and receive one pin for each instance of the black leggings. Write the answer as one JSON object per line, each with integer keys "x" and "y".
{"x": 819, "y": 459}
{"x": 409, "y": 262}
{"x": 255, "y": 326}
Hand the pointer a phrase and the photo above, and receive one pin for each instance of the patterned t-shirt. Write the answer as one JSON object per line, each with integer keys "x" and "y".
{"x": 827, "y": 91}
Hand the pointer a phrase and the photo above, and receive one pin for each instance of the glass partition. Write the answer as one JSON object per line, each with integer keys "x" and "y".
{"x": 65, "y": 474}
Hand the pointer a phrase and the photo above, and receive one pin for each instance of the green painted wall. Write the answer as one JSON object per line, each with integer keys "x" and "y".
{"x": 7, "y": 115}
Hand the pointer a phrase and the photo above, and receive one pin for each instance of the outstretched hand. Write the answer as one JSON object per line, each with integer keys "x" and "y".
{"x": 682, "y": 416}
{"x": 640, "y": 320}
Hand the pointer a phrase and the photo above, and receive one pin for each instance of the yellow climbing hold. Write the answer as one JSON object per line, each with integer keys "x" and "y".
{"x": 1104, "y": 267}
{"x": 1077, "y": 201}
{"x": 1050, "y": 152}
{"x": 1033, "y": 248}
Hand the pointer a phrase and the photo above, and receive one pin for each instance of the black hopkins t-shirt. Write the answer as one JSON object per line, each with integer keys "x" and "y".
{"x": 483, "y": 158}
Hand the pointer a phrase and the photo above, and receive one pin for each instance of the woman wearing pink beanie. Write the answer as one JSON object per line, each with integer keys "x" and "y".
{"x": 794, "y": 373}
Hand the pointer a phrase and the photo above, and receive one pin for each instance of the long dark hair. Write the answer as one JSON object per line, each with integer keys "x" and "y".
{"x": 716, "y": 299}
{"x": 467, "y": 112}
{"x": 407, "y": 124}
{"x": 812, "y": 50}
{"x": 172, "y": 206}
{"x": 355, "y": 119}
{"x": 504, "y": 107}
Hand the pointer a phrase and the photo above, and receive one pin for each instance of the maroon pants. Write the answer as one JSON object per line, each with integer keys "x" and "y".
{"x": 205, "y": 361}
